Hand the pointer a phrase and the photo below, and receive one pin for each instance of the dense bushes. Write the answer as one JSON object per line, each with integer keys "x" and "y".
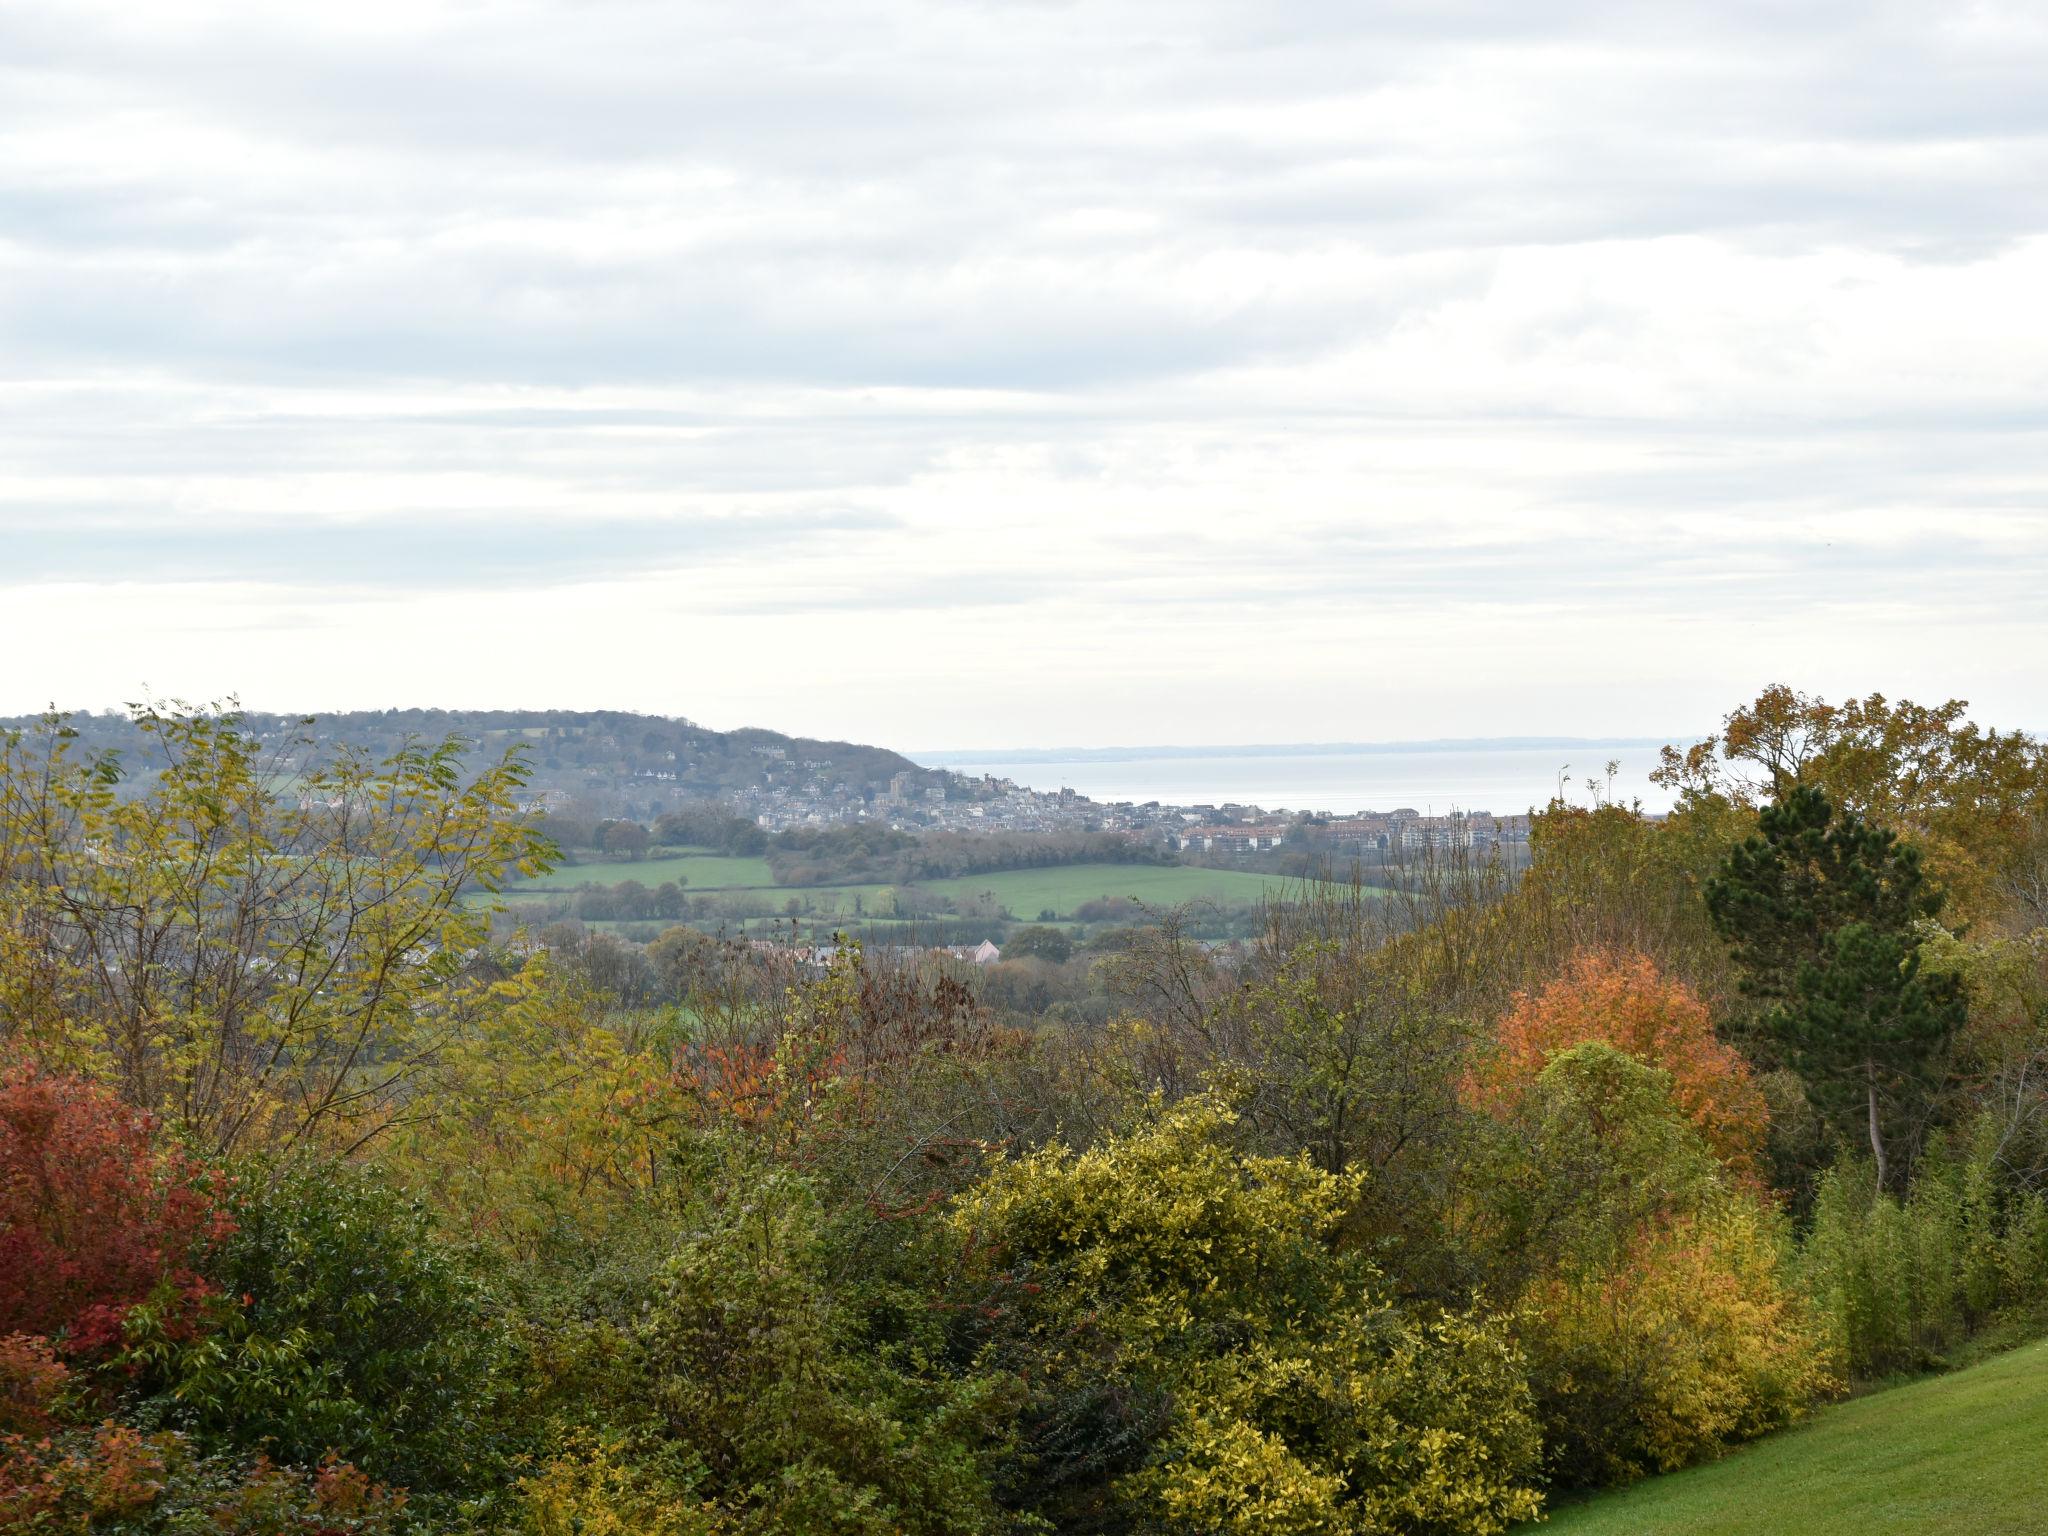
{"x": 113, "y": 1478}
{"x": 117, "y": 1481}
{"x": 96, "y": 1217}
{"x": 785, "y": 1413}
{"x": 1647, "y": 1282}
{"x": 1199, "y": 1356}
{"x": 1689, "y": 1342}
{"x": 345, "y": 1325}
{"x": 1902, "y": 1282}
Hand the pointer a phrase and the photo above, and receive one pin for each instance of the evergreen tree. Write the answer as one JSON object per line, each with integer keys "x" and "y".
{"x": 1819, "y": 912}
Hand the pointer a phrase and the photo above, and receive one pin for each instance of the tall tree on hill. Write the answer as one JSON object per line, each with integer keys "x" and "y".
{"x": 1966, "y": 795}
{"x": 1819, "y": 909}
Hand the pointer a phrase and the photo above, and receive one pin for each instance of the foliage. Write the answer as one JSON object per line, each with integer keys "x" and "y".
{"x": 347, "y": 1325}
{"x": 1198, "y": 1354}
{"x": 1903, "y": 1281}
{"x": 256, "y": 967}
{"x": 548, "y": 1119}
{"x": 1820, "y": 912}
{"x": 96, "y": 1217}
{"x": 762, "y": 1395}
{"x": 710, "y": 825}
{"x": 1592, "y": 1155}
{"x": 1954, "y": 1455}
{"x": 626, "y": 837}
{"x": 1625, "y": 1002}
{"x": 1690, "y": 1342}
{"x": 1039, "y": 942}
{"x": 1926, "y": 772}
{"x": 1646, "y": 1288}
{"x": 591, "y": 1488}
{"x": 1609, "y": 879}
{"x": 2004, "y": 1046}
{"x": 31, "y": 1378}
{"x": 117, "y": 1481}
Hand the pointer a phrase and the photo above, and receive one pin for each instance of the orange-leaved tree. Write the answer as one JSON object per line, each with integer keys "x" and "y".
{"x": 95, "y": 1215}
{"x": 1624, "y": 1001}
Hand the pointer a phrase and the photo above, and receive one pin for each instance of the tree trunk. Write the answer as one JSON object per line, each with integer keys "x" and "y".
{"x": 1876, "y": 1139}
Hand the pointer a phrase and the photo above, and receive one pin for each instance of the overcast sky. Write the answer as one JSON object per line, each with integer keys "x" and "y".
{"x": 1027, "y": 374}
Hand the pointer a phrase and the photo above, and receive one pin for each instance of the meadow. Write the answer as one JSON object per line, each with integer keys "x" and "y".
{"x": 1946, "y": 1456}
{"x": 1025, "y": 893}
{"x": 700, "y": 871}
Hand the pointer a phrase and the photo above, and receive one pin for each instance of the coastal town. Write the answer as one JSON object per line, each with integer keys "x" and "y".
{"x": 805, "y": 793}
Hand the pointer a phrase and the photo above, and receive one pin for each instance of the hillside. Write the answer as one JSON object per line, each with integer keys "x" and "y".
{"x": 1957, "y": 1455}
{"x": 626, "y": 763}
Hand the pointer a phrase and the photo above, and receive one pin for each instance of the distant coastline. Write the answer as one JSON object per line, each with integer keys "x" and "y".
{"x": 951, "y": 756}
{"x": 1500, "y": 773}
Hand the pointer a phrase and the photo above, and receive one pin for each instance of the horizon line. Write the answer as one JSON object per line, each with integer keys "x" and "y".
{"x": 933, "y": 755}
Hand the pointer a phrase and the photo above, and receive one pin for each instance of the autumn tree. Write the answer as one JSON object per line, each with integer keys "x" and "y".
{"x": 1626, "y": 1002}
{"x": 258, "y": 945}
{"x": 95, "y": 1216}
{"x": 1820, "y": 912}
{"x": 1968, "y": 796}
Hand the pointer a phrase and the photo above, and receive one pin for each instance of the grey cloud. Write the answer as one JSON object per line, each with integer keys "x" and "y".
{"x": 440, "y": 550}
{"x": 882, "y": 179}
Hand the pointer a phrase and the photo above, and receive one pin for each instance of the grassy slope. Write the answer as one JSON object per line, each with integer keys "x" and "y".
{"x": 1958, "y": 1455}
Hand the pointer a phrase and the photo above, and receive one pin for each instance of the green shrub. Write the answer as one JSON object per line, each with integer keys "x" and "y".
{"x": 1902, "y": 1283}
{"x": 116, "y": 1481}
{"x": 347, "y": 1326}
{"x": 751, "y": 1385}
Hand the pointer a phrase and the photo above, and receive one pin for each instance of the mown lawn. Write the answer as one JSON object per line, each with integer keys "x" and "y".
{"x": 1958, "y": 1455}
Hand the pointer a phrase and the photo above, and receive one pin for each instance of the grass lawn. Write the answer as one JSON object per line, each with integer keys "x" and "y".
{"x": 1958, "y": 1455}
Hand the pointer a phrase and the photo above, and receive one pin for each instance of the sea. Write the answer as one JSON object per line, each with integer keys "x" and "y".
{"x": 1433, "y": 777}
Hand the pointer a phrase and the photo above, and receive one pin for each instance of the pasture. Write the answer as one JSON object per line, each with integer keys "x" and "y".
{"x": 700, "y": 871}
{"x": 1025, "y": 893}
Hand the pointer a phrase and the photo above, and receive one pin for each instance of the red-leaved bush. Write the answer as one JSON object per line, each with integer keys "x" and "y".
{"x": 95, "y": 1215}
{"x": 1626, "y": 1002}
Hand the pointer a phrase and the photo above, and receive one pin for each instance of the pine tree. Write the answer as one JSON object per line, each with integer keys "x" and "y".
{"x": 1819, "y": 912}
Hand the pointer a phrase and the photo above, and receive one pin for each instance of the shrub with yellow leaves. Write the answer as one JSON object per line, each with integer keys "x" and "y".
{"x": 1200, "y": 1355}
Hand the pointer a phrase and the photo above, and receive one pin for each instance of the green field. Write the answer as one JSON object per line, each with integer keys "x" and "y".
{"x": 1958, "y": 1455}
{"x": 1025, "y": 892}
{"x": 701, "y": 871}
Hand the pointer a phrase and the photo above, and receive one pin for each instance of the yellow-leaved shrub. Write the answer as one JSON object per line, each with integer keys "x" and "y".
{"x": 591, "y": 1489}
{"x": 1692, "y": 1342}
{"x": 1200, "y": 1355}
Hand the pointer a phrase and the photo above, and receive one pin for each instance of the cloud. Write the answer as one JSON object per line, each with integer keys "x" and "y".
{"x": 436, "y": 550}
{"x": 1122, "y": 354}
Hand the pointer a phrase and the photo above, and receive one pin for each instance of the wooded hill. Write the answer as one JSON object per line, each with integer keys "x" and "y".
{"x": 577, "y": 751}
